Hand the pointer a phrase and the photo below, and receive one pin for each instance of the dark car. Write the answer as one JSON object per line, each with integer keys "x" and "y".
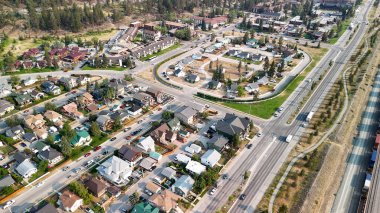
{"x": 225, "y": 176}
{"x": 249, "y": 146}
{"x": 243, "y": 196}
{"x": 23, "y": 144}
{"x": 114, "y": 138}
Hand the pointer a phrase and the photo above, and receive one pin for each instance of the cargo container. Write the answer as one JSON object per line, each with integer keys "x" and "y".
{"x": 373, "y": 159}
{"x": 377, "y": 142}
{"x": 289, "y": 138}
{"x": 367, "y": 182}
{"x": 309, "y": 116}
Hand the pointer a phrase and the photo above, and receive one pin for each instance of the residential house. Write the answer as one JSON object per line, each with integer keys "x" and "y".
{"x": 210, "y": 158}
{"x": 169, "y": 173}
{"x": 144, "y": 207}
{"x": 231, "y": 125}
{"x": 6, "y": 181}
{"x": 54, "y": 117}
{"x": 192, "y": 78}
{"x": 104, "y": 122}
{"x": 39, "y": 146}
{"x": 217, "y": 142}
{"x": 214, "y": 22}
{"x": 20, "y": 157}
{"x": 251, "y": 42}
{"x": 130, "y": 154}
{"x": 155, "y": 155}
{"x": 68, "y": 83}
{"x": 115, "y": 170}
{"x": 41, "y": 133}
{"x": 252, "y": 87}
{"x": 183, "y": 185}
{"x": 134, "y": 110}
{"x": 48, "y": 208}
{"x": 197, "y": 56}
{"x": 34, "y": 121}
{"x": 69, "y": 201}
{"x": 148, "y": 164}
{"x": 195, "y": 167}
{"x": 50, "y": 88}
{"x": 81, "y": 138}
{"x": 29, "y": 81}
{"x": 5, "y": 107}
{"x": 51, "y": 155}
{"x": 263, "y": 81}
{"x": 156, "y": 94}
{"x": 182, "y": 158}
{"x": 72, "y": 110}
{"x": 143, "y": 99}
{"x": 83, "y": 80}
{"x": 146, "y": 144}
{"x": 120, "y": 86}
{"x": 30, "y": 137}
{"x": 244, "y": 55}
{"x": 152, "y": 187}
{"x": 166, "y": 201}
{"x": 37, "y": 95}
{"x": 163, "y": 134}
{"x": 85, "y": 100}
{"x": 15, "y": 132}
{"x": 232, "y": 89}
{"x": 114, "y": 191}
{"x": 120, "y": 114}
{"x": 23, "y": 99}
{"x": 153, "y": 35}
{"x": 174, "y": 124}
{"x": 257, "y": 57}
{"x": 96, "y": 186}
{"x": 26, "y": 169}
{"x": 214, "y": 84}
{"x": 186, "y": 115}
{"x": 179, "y": 73}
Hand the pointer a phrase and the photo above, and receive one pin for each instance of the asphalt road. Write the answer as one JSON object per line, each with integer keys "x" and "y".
{"x": 272, "y": 152}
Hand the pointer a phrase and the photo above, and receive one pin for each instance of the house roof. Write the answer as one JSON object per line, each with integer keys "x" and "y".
{"x": 212, "y": 156}
{"x": 20, "y": 157}
{"x": 146, "y": 143}
{"x": 152, "y": 187}
{"x": 14, "y": 131}
{"x": 196, "y": 167}
{"x": 51, "y": 115}
{"x": 148, "y": 163}
{"x": 115, "y": 167}
{"x": 187, "y": 111}
{"x": 183, "y": 158}
{"x": 80, "y": 134}
{"x": 129, "y": 153}
{"x": 39, "y": 145}
{"x": 48, "y": 208}
{"x": 144, "y": 207}
{"x": 155, "y": 155}
{"x": 68, "y": 198}
{"x": 4, "y": 105}
{"x": 6, "y": 181}
{"x": 184, "y": 183}
{"x": 232, "y": 124}
{"x": 192, "y": 77}
{"x": 95, "y": 186}
{"x": 25, "y": 167}
{"x": 218, "y": 141}
{"x": 103, "y": 119}
{"x": 168, "y": 172}
{"x": 166, "y": 200}
{"x": 50, "y": 154}
{"x": 173, "y": 123}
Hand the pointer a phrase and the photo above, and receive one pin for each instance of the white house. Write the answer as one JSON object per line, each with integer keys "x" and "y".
{"x": 69, "y": 201}
{"x": 179, "y": 73}
{"x": 252, "y": 87}
{"x": 186, "y": 115}
{"x": 197, "y": 149}
{"x": 210, "y": 158}
{"x": 182, "y": 158}
{"x": 29, "y": 81}
{"x": 195, "y": 167}
{"x": 115, "y": 170}
{"x": 26, "y": 169}
{"x": 146, "y": 144}
{"x": 183, "y": 185}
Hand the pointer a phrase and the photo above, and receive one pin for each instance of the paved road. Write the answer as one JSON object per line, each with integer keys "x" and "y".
{"x": 273, "y": 151}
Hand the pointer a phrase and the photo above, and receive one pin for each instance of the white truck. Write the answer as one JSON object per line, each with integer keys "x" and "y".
{"x": 309, "y": 116}
{"x": 289, "y": 138}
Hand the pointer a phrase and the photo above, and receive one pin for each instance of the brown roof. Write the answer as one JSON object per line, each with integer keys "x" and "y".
{"x": 166, "y": 200}
{"x": 159, "y": 131}
{"x": 152, "y": 187}
{"x": 95, "y": 186}
{"x": 50, "y": 115}
{"x": 129, "y": 153}
{"x": 68, "y": 198}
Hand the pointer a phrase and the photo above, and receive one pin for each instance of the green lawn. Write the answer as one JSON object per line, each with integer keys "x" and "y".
{"x": 86, "y": 67}
{"x": 266, "y": 108}
{"x": 33, "y": 70}
{"x": 243, "y": 60}
{"x": 345, "y": 25}
{"x": 175, "y": 46}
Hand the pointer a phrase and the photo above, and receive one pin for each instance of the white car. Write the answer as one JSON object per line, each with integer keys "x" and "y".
{"x": 40, "y": 184}
{"x": 212, "y": 191}
{"x": 8, "y": 204}
{"x": 280, "y": 109}
{"x": 258, "y": 134}
{"x": 275, "y": 114}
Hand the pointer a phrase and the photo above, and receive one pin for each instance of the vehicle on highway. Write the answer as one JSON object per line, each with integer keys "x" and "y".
{"x": 275, "y": 114}
{"x": 258, "y": 134}
{"x": 105, "y": 152}
{"x": 242, "y": 197}
{"x": 123, "y": 210}
{"x": 40, "y": 184}
{"x": 87, "y": 154}
{"x": 249, "y": 146}
{"x": 212, "y": 191}
{"x": 112, "y": 139}
{"x": 225, "y": 177}
{"x": 128, "y": 137}
{"x": 289, "y": 138}
{"x": 76, "y": 170}
{"x": 89, "y": 163}
{"x": 139, "y": 122}
{"x": 280, "y": 109}
{"x": 127, "y": 129}
{"x": 8, "y": 204}
{"x": 65, "y": 168}
{"x": 88, "y": 210}
{"x": 98, "y": 148}
{"x": 309, "y": 116}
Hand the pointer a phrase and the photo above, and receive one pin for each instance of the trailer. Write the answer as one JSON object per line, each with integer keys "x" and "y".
{"x": 373, "y": 159}
{"x": 309, "y": 116}
{"x": 377, "y": 141}
{"x": 367, "y": 182}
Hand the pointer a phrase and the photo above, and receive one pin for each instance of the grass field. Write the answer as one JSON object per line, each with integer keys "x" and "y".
{"x": 86, "y": 67}
{"x": 33, "y": 70}
{"x": 265, "y": 109}
{"x": 175, "y": 46}
{"x": 242, "y": 59}
{"x": 345, "y": 25}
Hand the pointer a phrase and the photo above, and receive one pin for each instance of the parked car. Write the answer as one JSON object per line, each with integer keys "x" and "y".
{"x": 249, "y": 146}
{"x": 212, "y": 191}
{"x": 65, "y": 168}
{"x": 225, "y": 176}
{"x": 148, "y": 192}
{"x": 23, "y": 144}
{"x": 87, "y": 154}
{"x": 98, "y": 148}
{"x": 8, "y": 204}
{"x": 127, "y": 129}
{"x": 243, "y": 196}
{"x": 114, "y": 138}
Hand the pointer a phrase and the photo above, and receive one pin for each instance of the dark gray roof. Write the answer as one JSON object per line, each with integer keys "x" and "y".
{"x": 20, "y": 157}
{"x": 29, "y": 136}
{"x": 232, "y": 124}
{"x": 50, "y": 154}
{"x": 218, "y": 141}
{"x": 6, "y": 181}
{"x": 192, "y": 77}
{"x": 48, "y": 208}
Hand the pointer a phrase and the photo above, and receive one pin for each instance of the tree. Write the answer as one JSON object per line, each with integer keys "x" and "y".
{"x": 49, "y": 140}
{"x": 272, "y": 69}
{"x": 14, "y": 80}
{"x": 79, "y": 189}
{"x": 167, "y": 115}
{"x": 117, "y": 124}
{"x": 66, "y": 147}
{"x": 239, "y": 67}
{"x": 13, "y": 121}
{"x": 67, "y": 131}
{"x": 50, "y": 106}
{"x": 203, "y": 25}
{"x": 236, "y": 141}
{"x": 266, "y": 63}
{"x": 245, "y": 38}
{"x": 95, "y": 130}
{"x": 134, "y": 198}
{"x": 210, "y": 65}
{"x": 43, "y": 165}
{"x": 128, "y": 77}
